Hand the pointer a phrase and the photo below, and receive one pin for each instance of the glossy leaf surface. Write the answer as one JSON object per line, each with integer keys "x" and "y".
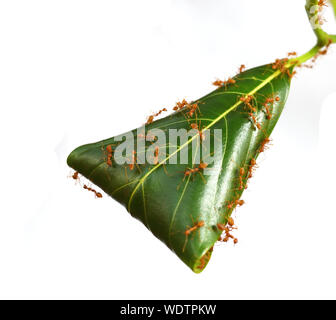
{"x": 166, "y": 200}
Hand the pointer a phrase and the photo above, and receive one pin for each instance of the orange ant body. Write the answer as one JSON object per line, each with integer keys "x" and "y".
{"x": 131, "y": 165}
{"x": 193, "y": 108}
{"x": 322, "y": 3}
{"x": 148, "y": 137}
{"x": 151, "y": 118}
{"x": 109, "y": 155}
{"x": 241, "y": 68}
{"x": 292, "y": 54}
{"x": 280, "y": 64}
{"x": 264, "y": 144}
{"x": 180, "y": 105}
{"x": 267, "y": 102}
{"x": 228, "y": 229}
{"x": 229, "y": 81}
{"x": 75, "y": 175}
{"x": 196, "y": 127}
{"x": 241, "y": 178}
{"x": 235, "y": 203}
{"x": 156, "y": 155}
{"x": 252, "y": 166}
{"x": 220, "y": 83}
{"x": 194, "y": 227}
{"x": 247, "y": 101}
{"x": 256, "y": 123}
{"x": 97, "y": 194}
{"x": 189, "y": 230}
{"x": 198, "y": 169}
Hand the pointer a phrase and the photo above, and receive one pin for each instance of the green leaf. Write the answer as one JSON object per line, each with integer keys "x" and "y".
{"x": 160, "y": 195}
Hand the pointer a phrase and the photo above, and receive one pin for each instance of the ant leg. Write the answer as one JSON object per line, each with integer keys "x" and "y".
{"x": 202, "y": 176}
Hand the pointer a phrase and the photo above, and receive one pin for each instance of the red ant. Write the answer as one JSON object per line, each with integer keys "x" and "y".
{"x": 193, "y": 108}
{"x": 322, "y": 52}
{"x": 322, "y": 3}
{"x": 109, "y": 155}
{"x": 148, "y": 137}
{"x": 156, "y": 155}
{"x": 180, "y": 105}
{"x": 162, "y": 110}
{"x": 252, "y": 166}
{"x": 292, "y": 54}
{"x": 131, "y": 165}
{"x": 228, "y": 229}
{"x": 97, "y": 194}
{"x": 220, "y": 83}
{"x": 241, "y": 68}
{"x": 256, "y": 123}
{"x": 264, "y": 144}
{"x": 229, "y": 81}
{"x": 196, "y": 127}
{"x": 235, "y": 203}
{"x": 151, "y": 118}
{"x": 198, "y": 169}
{"x": 241, "y": 178}
{"x": 280, "y": 64}
{"x": 247, "y": 101}
{"x": 189, "y": 230}
{"x": 75, "y": 176}
{"x": 267, "y": 102}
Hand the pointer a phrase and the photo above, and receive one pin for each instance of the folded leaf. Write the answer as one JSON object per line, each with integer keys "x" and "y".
{"x": 171, "y": 198}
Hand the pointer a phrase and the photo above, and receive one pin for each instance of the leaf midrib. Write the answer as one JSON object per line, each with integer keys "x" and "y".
{"x": 252, "y": 92}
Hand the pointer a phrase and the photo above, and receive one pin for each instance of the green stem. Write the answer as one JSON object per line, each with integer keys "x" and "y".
{"x": 323, "y": 37}
{"x": 333, "y": 4}
{"x": 305, "y": 57}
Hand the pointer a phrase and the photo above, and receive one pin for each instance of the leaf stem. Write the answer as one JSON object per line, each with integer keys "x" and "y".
{"x": 323, "y": 38}
{"x": 313, "y": 9}
{"x": 333, "y": 4}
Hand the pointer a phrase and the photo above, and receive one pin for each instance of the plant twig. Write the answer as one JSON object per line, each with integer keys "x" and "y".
{"x": 313, "y": 9}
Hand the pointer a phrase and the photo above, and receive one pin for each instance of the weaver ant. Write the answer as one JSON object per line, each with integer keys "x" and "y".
{"x": 180, "y": 105}
{"x": 147, "y": 137}
{"x": 75, "y": 176}
{"x": 241, "y": 68}
{"x": 97, "y": 194}
{"x": 264, "y": 144}
{"x": 228, "y": 228}
{"x": 192, "y": 109}
{"x": 156, "y": 155}
{"x": 109, "y": 155}
{"x": 252, "y": 166}
{"x": 201, "y": 167}
{"x": 280, "y": 64}
{"x": 247, "y": 101}
{"x": 189, "y": 230}
{"x": 269, "y": 101}
{"x": 235, "y": 203}
{"x": 255, "y": 122}
{"x": 220, "y": 83}
{"x": 292, "y": 54}
{"x": 150, "y": 119}
{"x": 197, "y": 127}
{"x": 322, "y": 3}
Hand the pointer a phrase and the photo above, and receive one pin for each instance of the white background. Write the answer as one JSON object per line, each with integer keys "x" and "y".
{"x": 74, "y": 72}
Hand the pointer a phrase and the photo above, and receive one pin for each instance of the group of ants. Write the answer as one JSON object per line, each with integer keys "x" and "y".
{"x": 244, "y": 175}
